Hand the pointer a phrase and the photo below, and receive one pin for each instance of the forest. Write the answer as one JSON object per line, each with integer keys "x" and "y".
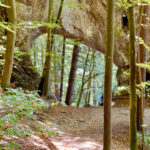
{"x": 74, "y": 75}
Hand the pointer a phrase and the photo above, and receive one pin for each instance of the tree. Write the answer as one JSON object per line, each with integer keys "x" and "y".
{"x": 48, "y": 50}
{"x": 141, "y": 76}
{"x": 10, "y": 45}
{"x": 132, "y": 79}
{"x": 44, "y": 85}
{"x": 62, "y": 68}
{"x": 92, "y": 66}
{"x": 83, "y": 77}
{"x": 56, "y": 69}
{"x": 72, "y": 75}
{"x": 35, "y": 55}
{"x": 108, "y": 75}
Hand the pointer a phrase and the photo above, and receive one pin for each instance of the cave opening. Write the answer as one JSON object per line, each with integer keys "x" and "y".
{"x": 124, "y": 21}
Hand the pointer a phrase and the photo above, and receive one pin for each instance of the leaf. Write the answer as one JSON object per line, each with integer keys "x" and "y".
{"x": 2, "y": 25}
{"x": 3, "y": 5}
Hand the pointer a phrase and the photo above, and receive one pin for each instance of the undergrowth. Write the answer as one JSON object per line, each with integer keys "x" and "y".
{"x": 15, "y": 104}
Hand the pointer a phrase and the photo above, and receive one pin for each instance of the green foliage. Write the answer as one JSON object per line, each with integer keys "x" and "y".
{"x": 129, "y": 3}
{"x": 145, "y": 65}
{"x": 14, "y": 104}
{"x": 122, "y": 90}
{"x": 125, "y": 90}
{"x": 37, "y": 24}
{"x": 18, "y": 54}
{"x": 97, "y": 76}
{"x": 141, "y": 41}
{"x": 6, "y": 26}
{"x": 41, "y": 130}
{"x": 146, "y": 139}
{"x": 3, "y": 5}
{"x": 73, "y": 4}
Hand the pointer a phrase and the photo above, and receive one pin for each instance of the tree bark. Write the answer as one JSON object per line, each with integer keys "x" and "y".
{"x": 42, "y": 58}
{"x": 88, "y": 94}
{"x": 62, "y": 69}
{"x": 46, "y": 86}
{"x": 83, "y": 76}
{"x": 132, "y": 79}
{"x": 72, "y": 75}
{"x": 35, "y": 58}
{"x": 10, "y": 45}
{"x": 144, "y": 34}
{"x": 108, "y": 75}
{"x": 48, "y": 57}
{"x": 56, "y": 72}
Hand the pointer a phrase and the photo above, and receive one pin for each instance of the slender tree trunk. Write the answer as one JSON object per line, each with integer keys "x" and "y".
{"x": 108, "y": 75}
{"x": 62, "y": 68}
{"x": 72, "y": 75}
{"x": 133, "y": 100}
{"x": 89, "y": 93}
{"x": 10, "y": 45}
{"x": 51, "y": 42}
{"x": 138, "y": 71}
{"x": 83, "y": 76}
{"x": 60, "y": 11}
{"x": 48, "y": 57}
{"x": 57, "y": 20}
{"x": 56, "y": 72}
{"x": 94, "y": 90}
{"x": 141, "y": 72}
{"x": 42, "y": 59}
{"x": 144, "y": 34}
{"x": 87, "y": 97}
{"x": 35, "y": 58}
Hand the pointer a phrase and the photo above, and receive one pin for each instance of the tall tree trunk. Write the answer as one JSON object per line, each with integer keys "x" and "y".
{"x": 62, "y": 69}
{"x": 133, "y": 100}
{"x": 88, "y": 90}
{"x": 42, "y": 58}
{"x": 60, "y": 11}
{"x": 144, "y": 34}
{"x": 57, "y": 20}
{"x": 35, "y": 58}
{"x": 88, "y": 94}
{"x": 46, "y": 84}
{"x": 83, "y": 76}
{"x": 56, "y": 72}
{"x": 108, "y": 75}
{"x": 94, "y": 90}
{"x": 72, "y": 75}
{"x": 48, "y": 57}
{"x": 10, "y": 45}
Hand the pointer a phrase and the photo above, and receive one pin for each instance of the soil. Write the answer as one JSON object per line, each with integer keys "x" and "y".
{"x": 79, "y": 128}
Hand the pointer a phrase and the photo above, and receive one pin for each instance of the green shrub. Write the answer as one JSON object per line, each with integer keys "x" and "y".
{"x": 14, "y": 104}
{"x": 121, "y": 91}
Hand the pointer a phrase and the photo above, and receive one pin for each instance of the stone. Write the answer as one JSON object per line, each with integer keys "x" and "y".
{"x": 52, "y": 97}
{"x": 84, "y": 20}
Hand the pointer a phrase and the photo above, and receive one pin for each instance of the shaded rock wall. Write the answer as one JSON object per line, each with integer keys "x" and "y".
{"x": 84, "y": 20}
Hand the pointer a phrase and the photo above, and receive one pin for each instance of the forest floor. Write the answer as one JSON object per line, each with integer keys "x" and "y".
{"x": 79, "y": 128}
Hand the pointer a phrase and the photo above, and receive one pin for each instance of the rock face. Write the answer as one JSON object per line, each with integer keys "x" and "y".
{"x": 25, "y": 76}
{"x": 122, "y": 78}
{"x": 81, "y": 19}
{"x": 84, "y": 20}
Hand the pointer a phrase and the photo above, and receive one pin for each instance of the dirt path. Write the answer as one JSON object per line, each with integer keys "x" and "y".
{"x": 88, "y": 123}
{"x": 80, "y": 128}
